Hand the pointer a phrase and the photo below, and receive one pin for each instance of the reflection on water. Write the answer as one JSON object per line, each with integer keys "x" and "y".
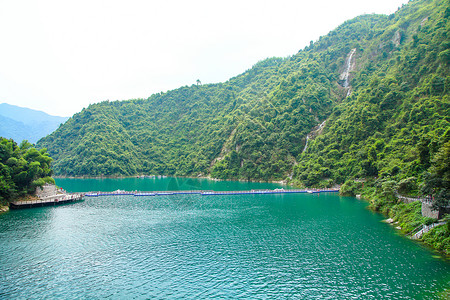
{"x": 158, "y": 184}
{"x": 191, "y": 246}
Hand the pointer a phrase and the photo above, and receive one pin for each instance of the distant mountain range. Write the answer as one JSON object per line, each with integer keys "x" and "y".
{"x": 21, "y": 123}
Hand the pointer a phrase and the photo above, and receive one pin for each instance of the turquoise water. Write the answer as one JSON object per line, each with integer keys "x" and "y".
{"x": 290, "y": 246}
{"x": 158, "y": 184}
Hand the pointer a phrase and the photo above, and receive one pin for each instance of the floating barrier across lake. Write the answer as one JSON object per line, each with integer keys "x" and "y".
{"x": 208, "y": 193}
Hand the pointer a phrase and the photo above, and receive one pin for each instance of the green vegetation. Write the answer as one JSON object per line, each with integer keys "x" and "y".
{"x": 22, "y": 169}
{"x": 381, "y": 193}
{"x": 439, "y": 238}
{"x": 410, "y": 219}
{"x": 251, "y": 127}
{"x": 437, "y": 180}
{"x": 409, "y": 216}
{"x": 390, "y": 133}
{"x": 395, "y": 125}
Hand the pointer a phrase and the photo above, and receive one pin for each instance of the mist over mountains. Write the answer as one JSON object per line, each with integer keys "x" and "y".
{"x": 21, "y": 123}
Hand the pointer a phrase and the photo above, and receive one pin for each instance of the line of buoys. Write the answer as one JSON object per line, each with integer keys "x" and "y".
{"x": 208, "y": 193}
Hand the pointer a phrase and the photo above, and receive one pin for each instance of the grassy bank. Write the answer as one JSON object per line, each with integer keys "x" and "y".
{"x": 439, "y": 238}
{"x": 406, "y": 216}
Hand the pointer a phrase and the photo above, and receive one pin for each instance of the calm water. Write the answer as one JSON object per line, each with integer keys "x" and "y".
{"x": 297, "y": 246}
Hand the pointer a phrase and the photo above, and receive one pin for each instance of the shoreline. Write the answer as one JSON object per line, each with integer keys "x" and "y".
{"x": 7, "y": 208}
{"x": 399, "y": 230}
{"x": 4, "y": 209}
{"x": 281, "y": 182}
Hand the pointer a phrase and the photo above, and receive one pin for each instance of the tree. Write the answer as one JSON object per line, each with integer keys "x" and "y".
{"x": 437, "y": 181}
{"x": 22, "y": 168}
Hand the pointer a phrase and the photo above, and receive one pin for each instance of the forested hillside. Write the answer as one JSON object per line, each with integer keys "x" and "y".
{"x": 398, "y": 115}
{"x": 252, "y": 126}
{"x": 391, "y": 120}
{"x": 395, "y": 125}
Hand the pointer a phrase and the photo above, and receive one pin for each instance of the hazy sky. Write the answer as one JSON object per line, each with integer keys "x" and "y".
{"x": 60, "y": 56}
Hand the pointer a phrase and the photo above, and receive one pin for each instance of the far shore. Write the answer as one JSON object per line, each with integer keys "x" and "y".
{"x": 282, "y": 182}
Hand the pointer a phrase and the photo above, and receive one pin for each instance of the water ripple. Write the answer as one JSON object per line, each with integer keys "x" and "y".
{"x": 231, "y": 247}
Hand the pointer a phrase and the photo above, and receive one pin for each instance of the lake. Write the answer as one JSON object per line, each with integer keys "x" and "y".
{"x": 301, "y": 246}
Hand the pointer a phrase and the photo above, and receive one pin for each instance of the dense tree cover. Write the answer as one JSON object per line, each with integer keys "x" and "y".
{"x": 392, "y": 127}
{"x": 252, "y": 126}
{"x": 22, "y": 169}
{"x": 395, "y": 125}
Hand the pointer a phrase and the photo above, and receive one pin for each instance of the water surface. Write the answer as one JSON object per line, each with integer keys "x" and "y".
{"x": 287, "y": 246}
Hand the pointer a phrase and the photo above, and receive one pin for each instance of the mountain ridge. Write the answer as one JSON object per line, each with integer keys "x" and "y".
{"x": 254, "y": 126}
{"x": 20, "y": 123}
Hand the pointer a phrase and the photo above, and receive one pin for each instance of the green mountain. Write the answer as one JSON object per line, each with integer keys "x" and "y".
{"x": 21, "y": 123}
{"x": 369, "y": 99}
{"x": 397, "y": 117}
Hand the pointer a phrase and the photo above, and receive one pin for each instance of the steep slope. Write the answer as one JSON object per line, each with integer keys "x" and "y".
{"x": 264, "y": 114}
{"x": 397, "y": 118}
{"x": 368, "y": 79}
{"x": 183, "y": 131}
{"x": 10, "y": 128}
{"x": 21, "y": 123}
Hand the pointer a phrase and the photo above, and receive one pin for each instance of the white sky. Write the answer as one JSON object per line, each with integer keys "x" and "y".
{"x": 60, "y": 56}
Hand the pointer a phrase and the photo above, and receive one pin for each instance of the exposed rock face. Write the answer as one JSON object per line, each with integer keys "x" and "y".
{"x": 424, "y": 21}
{"x": 396, "y": 40}
{"x": 315, "y": 132}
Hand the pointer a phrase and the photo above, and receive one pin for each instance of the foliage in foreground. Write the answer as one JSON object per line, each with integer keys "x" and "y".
{"x": 22, "y": 169}
{"x": 439, "y": 238}
{"x": 382, "y": 196}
